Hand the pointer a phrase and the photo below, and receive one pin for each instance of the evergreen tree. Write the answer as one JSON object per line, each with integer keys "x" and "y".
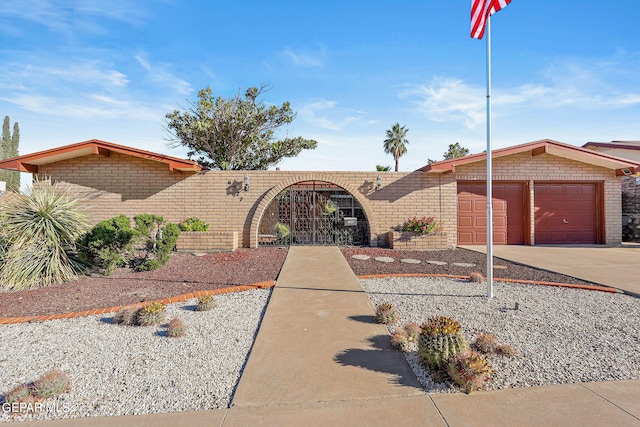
{"x": 8, "y": 149}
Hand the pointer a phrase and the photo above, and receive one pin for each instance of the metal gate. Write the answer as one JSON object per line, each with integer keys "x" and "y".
{"x": 313, "y": 213}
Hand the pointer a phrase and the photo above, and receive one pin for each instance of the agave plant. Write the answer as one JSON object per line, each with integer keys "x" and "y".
{"x": 39, "y": 230}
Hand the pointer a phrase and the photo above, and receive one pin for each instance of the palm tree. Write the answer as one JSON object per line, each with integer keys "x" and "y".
{"x": 396, "y": 142}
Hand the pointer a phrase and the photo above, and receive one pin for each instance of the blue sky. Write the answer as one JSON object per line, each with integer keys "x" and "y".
{"x": 565, "y": 70}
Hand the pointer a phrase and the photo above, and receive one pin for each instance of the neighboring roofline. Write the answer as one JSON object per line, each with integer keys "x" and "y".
{"x": 612, "y": 145}
{"x": 31, "y": 162}
{"x": 548, "y": 146}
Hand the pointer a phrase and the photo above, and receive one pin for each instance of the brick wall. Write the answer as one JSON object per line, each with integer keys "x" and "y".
{"x": 121, "y": 184}
{"x": 546, "y": 167}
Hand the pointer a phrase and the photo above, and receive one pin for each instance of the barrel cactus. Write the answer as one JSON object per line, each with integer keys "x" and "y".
{"x": 386, "y": 314}
{"x": 176, "y": 328}
{"x": 486, "y": 343}
{"x": 17, "y": 394}
{"x": 440, "y": 338}
{"x": 413, "y": 331}
{"x": 469, "y": 369}
{"x": 206, "y": 303}
{"x": 51, "y": 384}
{"x": 400, "y": 340}
{"x": 151, "y": 314}
{"x": 125, "y": 316}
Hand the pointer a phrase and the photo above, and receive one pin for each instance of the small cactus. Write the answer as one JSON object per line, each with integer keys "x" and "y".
{"x": 176, "y": 328}
{"x": 440, "y": 338}
{"x": 486, "y": 343}
{"x": 151, "y": 314}
{"x": 413, "y": 331}
{"x": 206, "y": 303}
{"x": 386, "y": 314}
{"x": 469, "y": 369}
{"x": 125, "y": 316}
{"x": 17, "y": 394}
{"x": 506, "y": 350}
{"x": 400, "y": 340}
{"x": 476, "y": 277}
{"x": 51, "y": 384}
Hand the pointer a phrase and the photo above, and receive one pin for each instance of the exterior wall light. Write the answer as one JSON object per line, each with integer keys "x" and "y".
{"x": 378, "y": 183}
{"x": 246, "y": 183}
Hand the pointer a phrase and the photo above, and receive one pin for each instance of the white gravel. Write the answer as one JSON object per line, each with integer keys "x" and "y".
{"x": 132, "y": 370}
{"x": 561, "y": 335}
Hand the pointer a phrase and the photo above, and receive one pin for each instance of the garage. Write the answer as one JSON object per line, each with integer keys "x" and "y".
{"x": 567, "y": 213}
{"x": 508, "y": 213}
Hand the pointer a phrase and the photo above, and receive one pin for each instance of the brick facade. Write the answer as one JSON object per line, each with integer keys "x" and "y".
{"x": 545, "y": 167}
{"x": 122, "y": 184}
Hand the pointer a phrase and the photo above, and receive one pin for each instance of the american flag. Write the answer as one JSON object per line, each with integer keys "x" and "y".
{"x": 480, "y": 10}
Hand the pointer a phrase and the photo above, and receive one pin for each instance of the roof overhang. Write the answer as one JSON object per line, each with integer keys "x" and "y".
{"x": 536, "y": 148}
{"x": 31, "y": 162}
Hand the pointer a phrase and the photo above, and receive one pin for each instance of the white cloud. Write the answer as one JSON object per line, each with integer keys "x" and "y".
{"x": 570, "y": 84}
{"x": 74, "y": 16}
{"x": 305, "y": 59}
{"x": 327, "y": 114}
{"x": 161, "y": 74}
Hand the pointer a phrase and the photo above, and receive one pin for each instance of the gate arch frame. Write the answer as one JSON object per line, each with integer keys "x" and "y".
{"x": 271, "y": 194}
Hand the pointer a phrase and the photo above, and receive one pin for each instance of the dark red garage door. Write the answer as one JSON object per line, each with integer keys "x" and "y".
{"x": 566, "y": 213}
{"x": 508, "y": 209}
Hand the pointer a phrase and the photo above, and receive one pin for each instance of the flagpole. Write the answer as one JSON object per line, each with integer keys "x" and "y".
{"x": 489, "y": 169}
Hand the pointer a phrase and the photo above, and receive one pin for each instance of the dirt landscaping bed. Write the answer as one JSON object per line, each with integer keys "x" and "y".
{"x": 188, "y": 273}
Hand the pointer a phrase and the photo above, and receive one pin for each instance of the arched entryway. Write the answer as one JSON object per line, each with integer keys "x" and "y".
{"x": 313, "y": 212}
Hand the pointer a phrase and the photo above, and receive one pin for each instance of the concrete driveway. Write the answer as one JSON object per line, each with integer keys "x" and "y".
{"x": 615, "y": 266}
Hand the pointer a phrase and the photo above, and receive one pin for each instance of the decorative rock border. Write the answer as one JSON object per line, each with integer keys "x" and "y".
{"x": 384, "y": 259}
{"x": 170, "y": 300}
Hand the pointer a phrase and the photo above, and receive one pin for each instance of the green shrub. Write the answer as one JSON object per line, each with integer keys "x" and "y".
{"x": 149, "y": 265}
{"x": 115, "y": 243}
{"x": 166, "y": 242}
{"x": 38, "y": 235}
{"x": 106, "y": 245}
{"x": 146, "y": 224}
{"x": 193, "y": 224}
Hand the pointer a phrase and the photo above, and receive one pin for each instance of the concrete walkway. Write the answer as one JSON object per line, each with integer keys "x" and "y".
{"x": 319, "y": 359}
{"x": 615, "y": 266}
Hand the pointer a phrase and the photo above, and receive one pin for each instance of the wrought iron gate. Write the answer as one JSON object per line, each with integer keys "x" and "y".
{"x": 313, "y": 213}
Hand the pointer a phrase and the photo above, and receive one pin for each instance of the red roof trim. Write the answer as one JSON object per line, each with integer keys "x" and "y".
{"x": 539, "y": 147}
{"x": 24, "y": 163}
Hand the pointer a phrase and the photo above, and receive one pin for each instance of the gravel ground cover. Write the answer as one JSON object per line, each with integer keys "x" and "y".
{"x": 561, "y": 335}
{"x": 133, "y": 370}
{"x": 184, "y": 273}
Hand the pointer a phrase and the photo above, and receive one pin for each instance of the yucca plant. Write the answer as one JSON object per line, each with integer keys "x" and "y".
{"x": 39, "y": 230}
